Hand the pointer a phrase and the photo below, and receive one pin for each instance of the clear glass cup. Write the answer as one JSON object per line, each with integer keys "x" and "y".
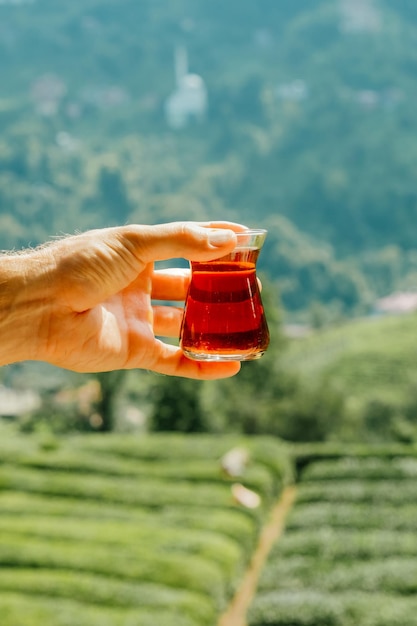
{"x": 224, "y": 318}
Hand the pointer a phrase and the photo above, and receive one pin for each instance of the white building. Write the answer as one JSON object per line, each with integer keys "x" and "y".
{"x": 188, "y": 101}
{"x": 14, "y": 403}
{"x": 397, "y": 303}
{"x": 359, "y": 16}
{"x": 47, "y": 92}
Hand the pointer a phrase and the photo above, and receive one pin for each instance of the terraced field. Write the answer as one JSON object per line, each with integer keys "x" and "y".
{"x": 128, "y": 531}
{"x": 368, "y": 359}
{"x": 348, "y": 555}
{"x": 135, "y": 531}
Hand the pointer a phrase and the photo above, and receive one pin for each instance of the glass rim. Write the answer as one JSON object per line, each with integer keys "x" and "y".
{"x": 251, "y": 231}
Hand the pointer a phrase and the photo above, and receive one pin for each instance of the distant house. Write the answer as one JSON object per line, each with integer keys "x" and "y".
{"x": 104, "y": 97}
{"x": 359, "y": 16}
{"x": 297, "y": 331}
{"x": 294, "y": 91}
{"x": 14, "y": 403}
{"x": 397, "y": 303}
{"x": 189, "y": 99}
{"x": 47, "y": 92}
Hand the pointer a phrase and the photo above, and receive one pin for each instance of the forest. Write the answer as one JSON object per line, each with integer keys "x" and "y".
{"x": 308, "y": 131}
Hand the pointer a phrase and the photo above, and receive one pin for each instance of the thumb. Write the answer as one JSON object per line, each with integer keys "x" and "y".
{"x": 189, "y": 240}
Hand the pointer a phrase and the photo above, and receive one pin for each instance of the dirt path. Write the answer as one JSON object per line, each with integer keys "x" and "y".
{"x": 236, "y": 612}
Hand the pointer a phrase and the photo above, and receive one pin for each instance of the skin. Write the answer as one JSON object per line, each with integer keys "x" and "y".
{"x": 84, "y": 303}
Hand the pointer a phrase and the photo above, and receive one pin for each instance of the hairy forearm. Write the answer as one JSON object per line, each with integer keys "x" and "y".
{"x": 25, "y": 297}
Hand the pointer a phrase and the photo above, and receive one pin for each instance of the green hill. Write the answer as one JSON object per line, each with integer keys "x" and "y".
{"x": 347, "y": 556}
{"x": 310, "y": 128}
{"x": 370, "y": 360}
{"x": 128, "y": 530}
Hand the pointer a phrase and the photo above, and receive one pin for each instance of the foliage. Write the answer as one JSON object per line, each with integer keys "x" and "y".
{"x": 347, "y": 554}
{"x": 118, "y": 529}
{"x": 310, "y": 607}
{"x": 371, "y": 363}
{"x": 300, "y": 107}
{"x": 372, "y": 468}
{"x": 20, "y": 610}
{"x": 177, "y": 406}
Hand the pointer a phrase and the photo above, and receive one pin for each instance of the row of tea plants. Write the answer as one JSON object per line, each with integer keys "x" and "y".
{"x": 348, "y": 554}
{"x": 121, "y": 530}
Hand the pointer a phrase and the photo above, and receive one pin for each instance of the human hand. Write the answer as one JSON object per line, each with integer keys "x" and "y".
{"x": 85, "y": 302}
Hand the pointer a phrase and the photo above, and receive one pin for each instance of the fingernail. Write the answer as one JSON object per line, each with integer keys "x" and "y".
{"x": 220, "y": 236}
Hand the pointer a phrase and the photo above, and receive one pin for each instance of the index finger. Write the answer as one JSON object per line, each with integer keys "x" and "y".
{"x": 170, "y": 284}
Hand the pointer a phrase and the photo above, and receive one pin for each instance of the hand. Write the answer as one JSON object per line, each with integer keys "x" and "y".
{"x": 84, "y": 303}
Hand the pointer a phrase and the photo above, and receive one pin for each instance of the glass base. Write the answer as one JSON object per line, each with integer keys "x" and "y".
{"x": 218, "y": 356}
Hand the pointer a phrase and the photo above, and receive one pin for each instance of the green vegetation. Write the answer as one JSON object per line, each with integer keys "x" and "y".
{"x": 371, "y": 363}
{"x": 300, "y": 107}
{"x": 348, "y": 553}
{"x": 147, "y": 528}
{"x": 143, "y": 527}
{"x": 310, "y": 133}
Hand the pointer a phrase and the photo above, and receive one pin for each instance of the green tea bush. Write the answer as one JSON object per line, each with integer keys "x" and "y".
{"x": 352, "y": 515}
{"x": 364, "y": 469}
{"x": 313, "y": 608}
{"x": 233, "y": 523}
{"x": 178, "y": 569}
{"x": 150, "y": 493}
{"x": 267, "y": 451}
{"x": 121, "y": 530}
{"x": 305, "y": 454}
{"x": 256, "y": 476}
{"x": 222, "y": 551}
{"x": 387, "y": 575}
{"x": 163, "y": 446}
{"x": 105, "y": 591}
{"x": 302, "y": 608}
{"x": 334, "y": 544}
{"x": 348, "y": 554}
{"x": 392, "y": 492}
{"x": 29, "y": 610}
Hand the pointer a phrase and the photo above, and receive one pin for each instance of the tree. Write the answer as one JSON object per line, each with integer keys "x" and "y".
{"x": 110, "y": 388}
{"x": 177, "y": 406}
{"x": 112, "y": 194}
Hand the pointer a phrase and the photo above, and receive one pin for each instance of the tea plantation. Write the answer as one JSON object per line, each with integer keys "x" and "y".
{"x": 122, "y": 530}
{"x": 348, "y": 556}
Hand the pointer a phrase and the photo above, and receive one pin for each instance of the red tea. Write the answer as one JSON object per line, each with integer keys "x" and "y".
{"x": 224, "y": 315}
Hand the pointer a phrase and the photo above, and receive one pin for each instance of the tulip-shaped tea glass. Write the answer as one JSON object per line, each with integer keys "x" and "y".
{"x": 224, "y": 318}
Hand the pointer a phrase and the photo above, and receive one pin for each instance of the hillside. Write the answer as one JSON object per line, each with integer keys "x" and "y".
{"x": 138, "y": 531}
{"x": 308, "y": 131}
{"x": 372, "y": 362}
{"x": 122, "y": 530}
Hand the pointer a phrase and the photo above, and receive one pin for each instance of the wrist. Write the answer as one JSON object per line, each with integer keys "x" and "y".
{"x": 25, "y": 299}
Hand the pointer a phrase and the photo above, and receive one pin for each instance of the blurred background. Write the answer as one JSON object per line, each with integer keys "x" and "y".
{"x": 298, "y": 116}
{"x": 294, "y": 116}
